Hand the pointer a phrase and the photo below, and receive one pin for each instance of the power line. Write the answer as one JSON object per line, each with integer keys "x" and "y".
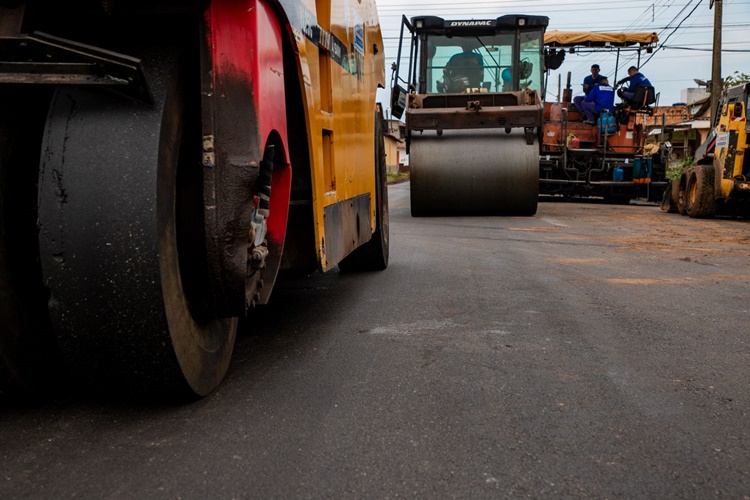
{"x": 708, "y": 50}
{"x": 726, "y": 27}
{"x": 629, "y": 60}
{"x": 673, "y": 32}
{"x": 495, "y": 7}
{"x": 686, "y": 19}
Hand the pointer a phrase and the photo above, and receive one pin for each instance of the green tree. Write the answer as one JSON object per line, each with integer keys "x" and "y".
{"x": 736, "y": 78}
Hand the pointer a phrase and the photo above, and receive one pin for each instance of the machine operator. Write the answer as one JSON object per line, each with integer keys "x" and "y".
{"x": 464, "y": 70}
{"x": 636, "y": 80}
{"x": 601, "y": 98}
{"x": 588, "y": 85}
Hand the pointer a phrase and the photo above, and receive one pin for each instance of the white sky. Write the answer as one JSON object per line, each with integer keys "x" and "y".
{"x": 670, "y": 70}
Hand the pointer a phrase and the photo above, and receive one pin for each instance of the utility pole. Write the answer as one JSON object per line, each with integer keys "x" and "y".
{"x": 717, "y": 85}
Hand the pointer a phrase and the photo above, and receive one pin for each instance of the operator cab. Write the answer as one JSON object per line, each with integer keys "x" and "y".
{"x": 495, "y": 55}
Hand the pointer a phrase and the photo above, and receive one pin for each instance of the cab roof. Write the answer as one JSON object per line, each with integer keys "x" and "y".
{"x": 473, "y": 27}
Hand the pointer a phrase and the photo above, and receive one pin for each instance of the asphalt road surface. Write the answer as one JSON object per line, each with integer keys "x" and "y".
{"x": 590, "y": 351}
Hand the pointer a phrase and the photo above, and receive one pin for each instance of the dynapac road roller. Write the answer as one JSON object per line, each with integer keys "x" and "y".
{"x": 160, "y": 161}
{"x": 473, "y": 113}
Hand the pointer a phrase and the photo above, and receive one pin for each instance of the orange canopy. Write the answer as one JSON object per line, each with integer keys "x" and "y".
{"x": 595, "y": 39}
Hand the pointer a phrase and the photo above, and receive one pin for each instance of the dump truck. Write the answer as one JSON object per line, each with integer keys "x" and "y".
{"x": 160, "y": 162}
{"x": 719, "y": 182}
{"x": 605, "y": 159}
{"x": 470, "y": 92}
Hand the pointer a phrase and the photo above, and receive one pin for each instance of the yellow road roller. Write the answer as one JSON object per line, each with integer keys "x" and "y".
{"x": 160, "y": 162}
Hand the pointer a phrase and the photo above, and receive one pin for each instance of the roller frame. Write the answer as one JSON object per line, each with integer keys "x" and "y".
{"x": 236, "y": 76}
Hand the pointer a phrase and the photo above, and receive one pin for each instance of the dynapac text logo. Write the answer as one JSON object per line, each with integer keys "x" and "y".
{"x": 472, "y": 23}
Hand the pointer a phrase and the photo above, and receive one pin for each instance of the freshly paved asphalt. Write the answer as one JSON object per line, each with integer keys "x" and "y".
{"x": 589, "y": 351}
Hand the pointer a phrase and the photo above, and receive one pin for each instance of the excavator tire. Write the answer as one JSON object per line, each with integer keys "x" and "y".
{"x": 671, "y": 197}
{"x": 700, "y": 200}
{"x": 473, "y": 172}
{"x": 682, "y": 196}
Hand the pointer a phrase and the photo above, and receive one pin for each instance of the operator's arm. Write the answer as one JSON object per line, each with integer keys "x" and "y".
{"x": 587, "y": 84}
{"x": 626, "y": 79}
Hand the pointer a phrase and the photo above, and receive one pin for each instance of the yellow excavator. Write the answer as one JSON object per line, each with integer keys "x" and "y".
{"x": 719, "y": 183}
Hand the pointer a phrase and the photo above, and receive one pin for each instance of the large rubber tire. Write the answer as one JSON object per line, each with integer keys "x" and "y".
{"x": 681, "y": 196}
{"x": 122, "y": 238}
{"x": 28, "y": 361}
{"x": 670, "y": 197}
{"x": 700, "y": 200}
{"x": 473, "y": 172}
{"x": 373, "y": 255}
{"x": 674, "y": 194}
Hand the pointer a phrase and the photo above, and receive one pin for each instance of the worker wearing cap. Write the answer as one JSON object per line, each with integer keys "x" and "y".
{"x": 601, "y": 98}
{"x": 636, "y": 80}
{"x": 588, "y": 85}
